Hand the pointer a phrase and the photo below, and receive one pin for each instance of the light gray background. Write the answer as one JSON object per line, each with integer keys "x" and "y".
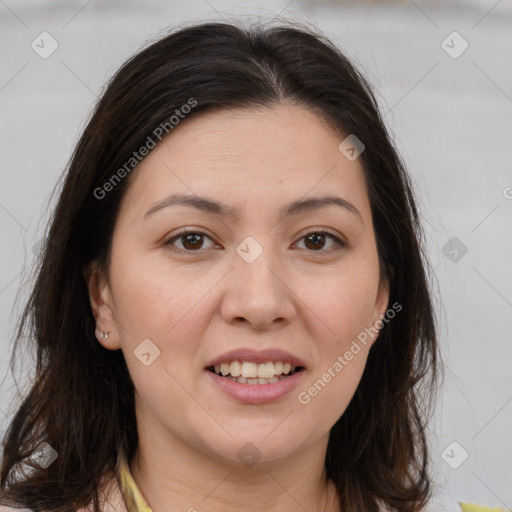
{"x": 452, "y": 120}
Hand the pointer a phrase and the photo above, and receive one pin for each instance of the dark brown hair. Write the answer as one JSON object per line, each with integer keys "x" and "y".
{"x": 81, "y": 400}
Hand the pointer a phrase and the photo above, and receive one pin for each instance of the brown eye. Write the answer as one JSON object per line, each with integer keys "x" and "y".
{"x": 315, "y": 241}
{"x": 191, "y": 241}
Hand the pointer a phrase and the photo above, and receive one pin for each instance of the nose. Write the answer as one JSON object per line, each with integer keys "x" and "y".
{"x": 259, "y": 293}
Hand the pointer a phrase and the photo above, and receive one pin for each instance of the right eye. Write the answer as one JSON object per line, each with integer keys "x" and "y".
{"x": 191, "y": 240}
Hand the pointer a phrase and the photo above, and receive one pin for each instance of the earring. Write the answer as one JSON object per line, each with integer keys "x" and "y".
{"x": 101, "y": 334}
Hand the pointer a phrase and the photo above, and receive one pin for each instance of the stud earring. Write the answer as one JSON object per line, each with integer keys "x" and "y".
{"x": 101, "y": 334}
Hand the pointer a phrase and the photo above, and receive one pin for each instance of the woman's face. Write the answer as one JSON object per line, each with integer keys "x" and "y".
{"x": 255, "y": 274}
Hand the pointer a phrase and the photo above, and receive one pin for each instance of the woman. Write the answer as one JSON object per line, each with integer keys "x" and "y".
{"x": 232, "y": 308}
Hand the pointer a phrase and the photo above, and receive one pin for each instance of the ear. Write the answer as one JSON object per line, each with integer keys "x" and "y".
{"x": 102, "y": 305}
{"x": 382, "y": 301}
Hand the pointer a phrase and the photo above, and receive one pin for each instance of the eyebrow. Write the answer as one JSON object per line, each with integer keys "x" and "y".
{"x": 212, "y": 206}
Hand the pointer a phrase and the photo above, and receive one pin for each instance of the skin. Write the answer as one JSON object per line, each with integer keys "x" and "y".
{"x": 311, "y": 300}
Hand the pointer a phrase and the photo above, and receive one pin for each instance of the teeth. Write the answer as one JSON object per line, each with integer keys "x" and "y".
{"x": 249, "y": 370}
{"x": 258, "y": 381}
{"x": 265, "y": 372}
{"x": 235, "y": 369}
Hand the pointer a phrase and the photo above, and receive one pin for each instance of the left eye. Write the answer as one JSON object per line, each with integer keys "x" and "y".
{"x": 192, "y": 240}
{"x": 316, "y": 237}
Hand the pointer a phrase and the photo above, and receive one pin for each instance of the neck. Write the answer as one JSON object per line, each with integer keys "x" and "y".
{"x": 172, "y": 476}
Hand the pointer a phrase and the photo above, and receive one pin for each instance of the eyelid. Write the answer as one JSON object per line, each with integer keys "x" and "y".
{"x": 319, "y": 230}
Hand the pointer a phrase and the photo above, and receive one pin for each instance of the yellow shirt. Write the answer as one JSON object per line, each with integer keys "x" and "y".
{"x": 133, "y": 498}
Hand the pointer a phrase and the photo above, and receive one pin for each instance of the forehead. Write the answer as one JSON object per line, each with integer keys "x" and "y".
{"x": 250, "y": 159}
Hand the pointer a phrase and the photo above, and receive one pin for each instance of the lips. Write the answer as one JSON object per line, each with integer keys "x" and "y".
{"x": 278, "y": 373}
{"x": 256, "y": 392}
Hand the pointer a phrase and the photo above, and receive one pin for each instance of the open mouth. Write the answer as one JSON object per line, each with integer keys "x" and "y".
{"x": 246, "y": 372}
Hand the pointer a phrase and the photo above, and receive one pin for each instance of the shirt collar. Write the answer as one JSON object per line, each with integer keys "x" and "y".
{"x": 133, "y": 498}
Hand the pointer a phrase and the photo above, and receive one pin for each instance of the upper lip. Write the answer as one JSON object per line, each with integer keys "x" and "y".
{"x": 257, "y": 356}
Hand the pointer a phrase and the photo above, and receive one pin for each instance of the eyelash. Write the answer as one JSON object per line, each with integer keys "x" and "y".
{"x": 340, "y": 244}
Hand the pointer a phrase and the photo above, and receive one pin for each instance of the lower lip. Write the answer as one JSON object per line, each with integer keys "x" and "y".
{"x": 256, "y": 393}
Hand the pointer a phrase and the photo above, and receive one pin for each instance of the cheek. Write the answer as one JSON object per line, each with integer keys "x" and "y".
{"x": 163, "y": 305}
{"x": 343, "y": 301}
{"x": 153, "y": 297}
{"x": 329, "y": 391}
{"x": 347, "y": 305}
{"x": 168, "y": 306}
